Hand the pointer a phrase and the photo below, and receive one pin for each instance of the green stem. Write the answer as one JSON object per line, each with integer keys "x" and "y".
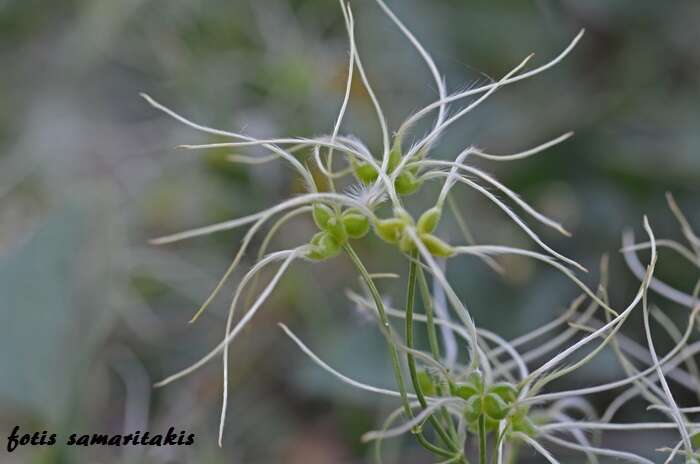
{"x": 410, "y": 298}
{"x": 430, "y": 322}
{"x": 386, "y": 329}
{"x": 433, "y": 342}
{"x": 482, "y": 439}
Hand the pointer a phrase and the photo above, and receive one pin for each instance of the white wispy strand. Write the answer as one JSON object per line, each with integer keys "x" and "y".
{"x": 514, "y": 217}
{"x": 435, "y": 133}
{"x": 440, "y": 305}
{"x": 350, "y": 25}
{"x": 284, "y": 154}
{"x": 347, "y": 13}
{"x": 631, "y": 457}
{"x": 439, "y": 82}
{"x": 291, "y": 255}
{"x": 343, "y": 378}
{"x": 457, "y": 96}
{"x": 508, "y": 192}
{"x": 540, "y": 449}
{"x": 680, "y": 421}
{"x": 614, "y": 322}
{"x": 669, "y": 358}
{"x": 239, "y": 222}
{"x": 525, "y": 153}
{"x": 657, "y": 285}
{"x": 476, "y": 250}
{"x": 415, "y": 421}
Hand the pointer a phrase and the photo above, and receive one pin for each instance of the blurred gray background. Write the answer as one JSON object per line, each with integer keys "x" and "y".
{"x": 91, "y": 315}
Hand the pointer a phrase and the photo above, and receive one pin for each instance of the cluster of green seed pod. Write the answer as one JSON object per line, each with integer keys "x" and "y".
{"x": 336, "y": 228}
{"x": 393, "y": 230}
{"x": 495, "y": 403}
{"x": 405, "y": 183}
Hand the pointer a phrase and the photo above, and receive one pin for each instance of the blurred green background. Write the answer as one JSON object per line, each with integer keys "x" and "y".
{"x": 91, "y": 315}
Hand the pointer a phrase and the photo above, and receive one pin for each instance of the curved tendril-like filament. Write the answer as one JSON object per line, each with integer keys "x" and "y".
{"x": 284, "y": 154}
{"x": 288, "y": 256}
{"x": 474, "y": 91}
{"x": 435, "y": 133}
{"x": 518, "y": 221}
{"x": 239, "y": 222}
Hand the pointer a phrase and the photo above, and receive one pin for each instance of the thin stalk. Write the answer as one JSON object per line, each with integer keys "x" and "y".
{"x": 410, "y": 299}
{"x": 430, "y": 321}
{"x": 433, "y": 341}
{"x": 482, "y": 439}
{"x": 385, "y": 328}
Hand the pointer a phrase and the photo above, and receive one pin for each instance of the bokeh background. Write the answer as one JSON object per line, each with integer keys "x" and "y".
{"x": 91, "y": 314}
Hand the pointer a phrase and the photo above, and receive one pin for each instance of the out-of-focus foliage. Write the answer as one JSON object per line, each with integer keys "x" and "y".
{"x": 91, "y": 315}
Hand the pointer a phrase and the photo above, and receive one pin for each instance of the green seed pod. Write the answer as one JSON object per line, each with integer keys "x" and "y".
{"x": 356, "y": 224}
{"x": 429, "y": 220}
{"x": 406, "y": 244}
{"x": 364, "y": 172}
{"x": 336, "y": 229}
{"x": 406, "y": 183}
{"x": 322, "y": 214}
{"x": 323, "y": 246}
{"x": 390, "y": 230}
{"x": 506, "y": 391}
{"x": 525, "y": 425}
{"x": 464, "y": 390}
{"x": 477, "y": 380}
{"x": 491, "y": 424}
{"x": 472, "y": 411}
{"x": 394, "y": 156}
{"x": 494, "y": 407}
{"x": 436, "y": 246}
{"x": 426, "y": 383}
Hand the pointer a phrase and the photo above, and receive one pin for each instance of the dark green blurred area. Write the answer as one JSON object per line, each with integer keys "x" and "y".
{"x": 91, "y": 315}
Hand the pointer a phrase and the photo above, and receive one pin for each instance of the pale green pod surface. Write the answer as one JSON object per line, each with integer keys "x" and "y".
{"x": 406, "y": 183}
{"x": 336, "y": 229}
{"x": 472, "y": 410}
{"x": 428, "y": 221}
{"x": 437, "y": 247}
{"x": 464, "y": 390}
{"x": 406, "y": 244}
{"x": 323, "y": 246}
{"x": 365, "y": 172}
{"x": 322, "y": 214}
{"x": 356, "y": 224}
{"x": 390, "y": 230}
{"x": 506, "y": 391}
{"x": 524, "y": 425}
{"x": 494, "y": 407}
{"x": 426, "y": 383}
{"x": 695, "y": 440}
{"x": 477, "y": 380}
{"x": 394, "y": 157}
